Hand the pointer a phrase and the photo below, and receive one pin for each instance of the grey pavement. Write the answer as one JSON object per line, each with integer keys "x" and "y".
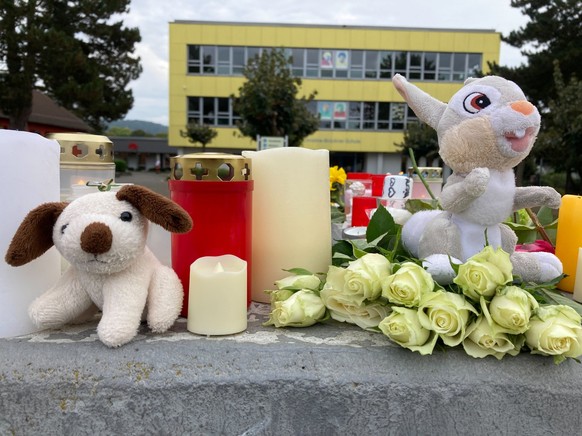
{"x": 157, "y": 182}
{"x": 329, "y": 379}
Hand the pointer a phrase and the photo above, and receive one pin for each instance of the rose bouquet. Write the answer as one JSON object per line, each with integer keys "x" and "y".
{"x": 375, "y": 284}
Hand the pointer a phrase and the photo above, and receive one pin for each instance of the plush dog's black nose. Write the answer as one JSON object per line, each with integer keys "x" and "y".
{"x": 96, "y": 238}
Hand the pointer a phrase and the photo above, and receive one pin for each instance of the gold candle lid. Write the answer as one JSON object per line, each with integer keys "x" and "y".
{"x": 213, "y": 167}
{"x": 84, "y": 148}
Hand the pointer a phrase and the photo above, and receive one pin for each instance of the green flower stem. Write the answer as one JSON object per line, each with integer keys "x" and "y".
{"x": 415, "y": 167}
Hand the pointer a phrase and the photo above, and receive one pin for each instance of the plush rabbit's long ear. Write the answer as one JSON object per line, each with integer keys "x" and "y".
{"x": 157, "y": 208}
{"x": 34, "y": 236}
{"x": 427, "y": 108}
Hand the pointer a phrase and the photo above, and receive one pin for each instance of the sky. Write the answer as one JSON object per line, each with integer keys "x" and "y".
{"x": 152, "y": 17}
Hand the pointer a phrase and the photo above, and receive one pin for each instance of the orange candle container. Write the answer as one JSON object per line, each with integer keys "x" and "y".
{"x": 569, "y": 238}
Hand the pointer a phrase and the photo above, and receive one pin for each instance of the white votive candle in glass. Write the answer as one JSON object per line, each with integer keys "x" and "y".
{"x": 578, "y": 282}
{"x": 217, "y": 297}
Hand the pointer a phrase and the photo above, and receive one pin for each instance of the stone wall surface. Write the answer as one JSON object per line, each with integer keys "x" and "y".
{"x": 330, "y": 379}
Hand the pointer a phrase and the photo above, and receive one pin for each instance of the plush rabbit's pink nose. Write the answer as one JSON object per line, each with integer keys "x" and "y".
{"x": 96, "y": 238}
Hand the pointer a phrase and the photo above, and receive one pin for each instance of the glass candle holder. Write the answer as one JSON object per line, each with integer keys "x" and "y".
{"x": 83, "y": 158}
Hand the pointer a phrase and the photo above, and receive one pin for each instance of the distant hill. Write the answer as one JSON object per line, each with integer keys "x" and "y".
{"x": 146, "y": 126}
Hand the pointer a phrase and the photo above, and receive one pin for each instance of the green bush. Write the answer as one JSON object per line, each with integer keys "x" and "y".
{"x": 120, "y": 166}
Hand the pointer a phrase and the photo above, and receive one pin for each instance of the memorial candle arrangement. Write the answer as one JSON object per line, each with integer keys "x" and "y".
{"x": 217, "y": 295}
{"x": 29, "y": 174}
{"x": 291, "y": 215}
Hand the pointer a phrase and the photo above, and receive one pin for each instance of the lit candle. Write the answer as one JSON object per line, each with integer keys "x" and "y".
{"x": 578, "y": 280}
{"x": 217, "y": 299}
{"x": 569, "y": 238}
{"x": 23, "y": 189}
{"x": 291, "y": 217}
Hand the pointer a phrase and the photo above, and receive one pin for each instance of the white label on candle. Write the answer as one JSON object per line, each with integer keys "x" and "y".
{"x": 217, "y": 296}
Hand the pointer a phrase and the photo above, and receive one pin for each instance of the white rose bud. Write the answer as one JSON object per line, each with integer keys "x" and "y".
{"x": 555, "y": 331}
{"x": 302, "y": 309}
{"x": 299, "y": 282}
{"x": 403, "y": 327}
{"x": 511, "y": 308}
{"x": 406, "y": 286}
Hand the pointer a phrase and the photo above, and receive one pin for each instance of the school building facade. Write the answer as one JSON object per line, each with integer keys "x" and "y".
{"x": 362, "y": 117}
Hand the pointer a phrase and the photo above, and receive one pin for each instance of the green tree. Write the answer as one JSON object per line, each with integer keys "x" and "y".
{"x": 560, "y": 144}
{"x": 199, "y": 133}
{"x": 423, "y": 141}
{"x": 267, "y": 102}
{"x": 76, "y": 51}
{"x": 552, "y": 33}
{"x": 118, "y": 131}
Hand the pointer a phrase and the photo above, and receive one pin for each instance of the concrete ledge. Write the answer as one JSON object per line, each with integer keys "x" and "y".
{"x": 324, "y": 380}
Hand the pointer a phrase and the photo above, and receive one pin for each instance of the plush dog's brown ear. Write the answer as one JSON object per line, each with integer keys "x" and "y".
{"x": 34, "y": 236}
{"x": 157, "y": 208}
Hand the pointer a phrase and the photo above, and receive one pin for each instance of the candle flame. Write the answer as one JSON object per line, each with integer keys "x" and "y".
{"x": 218, "y": 268}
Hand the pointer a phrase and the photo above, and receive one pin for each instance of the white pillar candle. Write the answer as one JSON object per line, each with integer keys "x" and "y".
{"x": 578, "y": 282}
{"x": 291, "y": 214}
{"x": 29, "y": 176}
{"x": 217, "y": 296}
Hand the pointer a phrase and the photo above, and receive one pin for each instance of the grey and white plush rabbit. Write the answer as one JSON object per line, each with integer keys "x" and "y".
{"x": 484, "y": 131}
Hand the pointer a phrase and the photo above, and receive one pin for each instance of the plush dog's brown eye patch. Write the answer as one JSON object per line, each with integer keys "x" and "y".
{"x": 126, "y": 216}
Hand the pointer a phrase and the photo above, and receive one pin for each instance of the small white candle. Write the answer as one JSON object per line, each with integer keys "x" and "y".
{"x": 291, "y": 217}
{"x": 217, "y": 297}
{"x": 578, "y": 282}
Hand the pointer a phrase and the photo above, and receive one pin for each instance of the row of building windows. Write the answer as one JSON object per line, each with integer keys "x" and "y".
{"x": 341, "y": 64}
{"x": 342, "y": 115}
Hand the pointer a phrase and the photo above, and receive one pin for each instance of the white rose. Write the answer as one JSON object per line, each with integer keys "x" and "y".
{"x": 511, "y": 308}
{"x": 406, "y": 286}
{"x": 342, "y": 308}
{"x": 361, "y": 280}
{"x": 302, "y": 309}
{"x": 555, "y": 331}
{"x": 447, "y": 314}
{"x": 485, "y": 339}
{"x": 403, "y": 327}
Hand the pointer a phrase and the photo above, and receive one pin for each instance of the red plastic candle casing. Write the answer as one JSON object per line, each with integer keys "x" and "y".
{"x": 209, "y": 187}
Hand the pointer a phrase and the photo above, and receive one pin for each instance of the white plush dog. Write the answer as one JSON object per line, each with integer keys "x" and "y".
{"x": 103, "y": 237}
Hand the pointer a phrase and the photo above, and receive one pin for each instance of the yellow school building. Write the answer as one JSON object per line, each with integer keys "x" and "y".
{"x": 362, "y": 117}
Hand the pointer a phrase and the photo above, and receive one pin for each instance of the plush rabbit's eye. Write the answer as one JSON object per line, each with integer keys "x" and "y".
{"x": 63, "y": 227}
{"x": 126, "y": 216}
{"x": 475, "y": 102}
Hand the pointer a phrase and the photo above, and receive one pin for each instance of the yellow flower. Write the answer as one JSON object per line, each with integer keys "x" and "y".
{"x": 336, "y": 175}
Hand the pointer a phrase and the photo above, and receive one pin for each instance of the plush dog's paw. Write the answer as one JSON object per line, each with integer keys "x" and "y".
{"x": 115, "y": 336}
{"x": 43, "y": 316}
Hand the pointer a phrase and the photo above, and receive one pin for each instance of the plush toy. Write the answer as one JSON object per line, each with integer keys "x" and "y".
{"x": 485, "y": 130}
{"x": 103, "y": 237}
